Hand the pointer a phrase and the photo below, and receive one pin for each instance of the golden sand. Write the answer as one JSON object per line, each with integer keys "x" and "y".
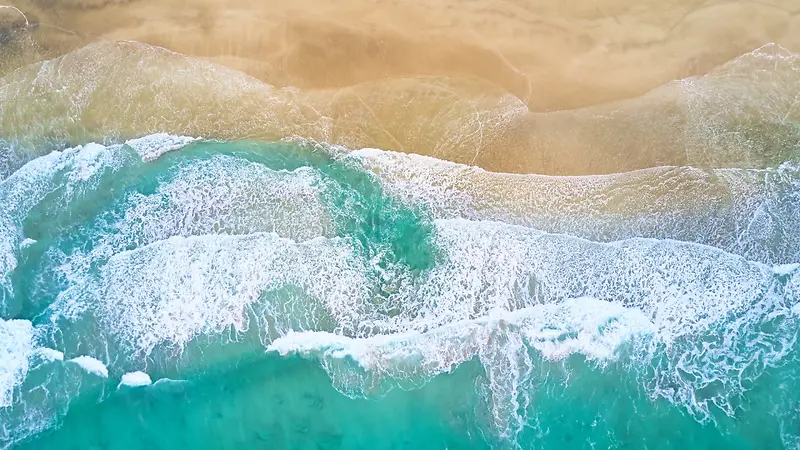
{"x": 550, "y": 87}
{"x": 552, "y": 54}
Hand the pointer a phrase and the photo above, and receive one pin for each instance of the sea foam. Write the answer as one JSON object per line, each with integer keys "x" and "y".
{"x": 91, "y": 365}
{"x": 153, "y": 146}
{"x": 739, "y": 211}
{"x": 16, "y": 346}
{"x": 135, "y": 379}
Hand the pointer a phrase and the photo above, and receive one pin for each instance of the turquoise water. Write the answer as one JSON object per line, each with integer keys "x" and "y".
{"x": 274, "y": 403}
{"x": 281, "y": 295}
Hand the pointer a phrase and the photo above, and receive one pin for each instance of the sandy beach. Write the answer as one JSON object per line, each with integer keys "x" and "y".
{"x": 551, "y": 54}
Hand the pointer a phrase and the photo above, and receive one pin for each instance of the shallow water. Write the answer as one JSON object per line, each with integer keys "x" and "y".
{"x": 288, "y": 226}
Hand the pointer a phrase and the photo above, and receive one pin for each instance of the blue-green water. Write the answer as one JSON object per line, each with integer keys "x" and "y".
{"x": 277, "y": 295}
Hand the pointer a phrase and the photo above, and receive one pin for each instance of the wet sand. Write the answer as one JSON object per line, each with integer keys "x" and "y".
{"x": 511, "y": 86}
{"x": 743, "y": 114}
{"x": 550, "y": 54}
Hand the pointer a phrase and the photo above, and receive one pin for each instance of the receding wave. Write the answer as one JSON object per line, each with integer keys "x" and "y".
{"x": 743, "y": 211}
{"x": 109, "y": 92}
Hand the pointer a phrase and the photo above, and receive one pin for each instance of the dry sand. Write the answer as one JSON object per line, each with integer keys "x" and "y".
{"x": 552, "y": 54}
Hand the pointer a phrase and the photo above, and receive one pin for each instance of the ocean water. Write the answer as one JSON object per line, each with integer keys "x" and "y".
{"x": 232, "y": 285}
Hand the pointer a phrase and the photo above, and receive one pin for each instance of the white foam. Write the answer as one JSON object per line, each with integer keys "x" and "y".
{"x": 151, "y": 147}
{"x": 221, "y": 195}
{"x": 591, "y": 327}
{"x": 135, "y": 379}
{"x": 16, "y": 346}
{"x": 309, "y": 342}
{"x": 27, "y": 242}
{"x": 176, "y": 289}
{"x": 685, "y": 291}
{"x": 18, "y": 194}
{"x": 588, "y": 326}
{"x": 561, "y": 295}
{"x": 88, "y": 160}
{"x": 91, "y": 365}
{"x": 50, "y": 354}
{"x": 168, "y": 381}
{"x": 501, "y": 341}
{"x": 228, "y": 195}
{"x": 740, "y": 211}
{"x": 26, "y": 187}
{"x": 786, "y": 269}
